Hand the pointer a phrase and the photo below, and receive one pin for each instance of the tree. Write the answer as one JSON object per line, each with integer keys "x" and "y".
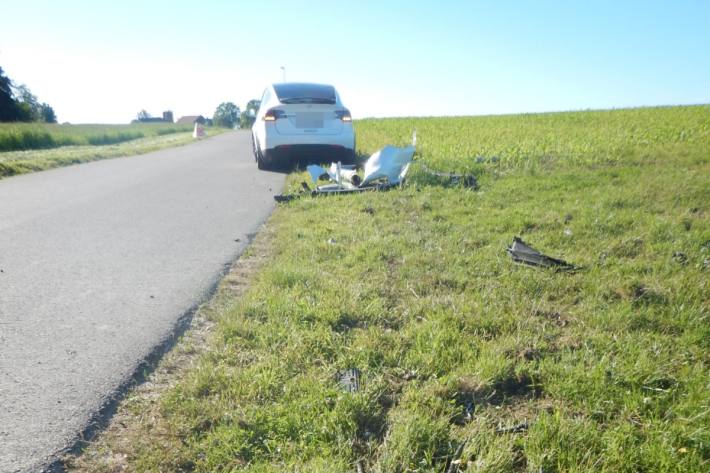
{"x": 18, "y": 103}
{"x": 47, "y": 112}
{"x": 27, "y": 102}
{"x": 142, "y": 115}
{"x": 249, "y": 115}
{"x": 226, "y": 115}
{"x": 8, "y": 107}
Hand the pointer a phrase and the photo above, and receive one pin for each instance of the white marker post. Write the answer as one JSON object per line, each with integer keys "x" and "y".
{"x": 199, "y": 131}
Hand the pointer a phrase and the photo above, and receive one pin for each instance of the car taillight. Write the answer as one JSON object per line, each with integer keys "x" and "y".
{"x": 343, "y": 115}
{"x": 274, "y": 114}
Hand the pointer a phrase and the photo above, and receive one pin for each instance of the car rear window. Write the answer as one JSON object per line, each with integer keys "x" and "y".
{"x": 305, "y": 93}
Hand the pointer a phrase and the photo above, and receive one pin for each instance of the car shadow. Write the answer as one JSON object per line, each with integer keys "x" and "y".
{"x": 300, "y": 164}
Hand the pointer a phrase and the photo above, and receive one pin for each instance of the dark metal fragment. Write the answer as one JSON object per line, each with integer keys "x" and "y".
{"x": 466, "y": 180}
{"x": 349, "y": 380}
{"x": 521, "y": 252}
{"x": 513, "y": 429}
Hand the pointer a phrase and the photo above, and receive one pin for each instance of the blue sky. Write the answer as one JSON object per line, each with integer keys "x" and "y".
{"x": 96, "y": 61}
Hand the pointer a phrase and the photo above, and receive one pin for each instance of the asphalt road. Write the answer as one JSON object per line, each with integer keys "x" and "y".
{"x": 98, "y": 263}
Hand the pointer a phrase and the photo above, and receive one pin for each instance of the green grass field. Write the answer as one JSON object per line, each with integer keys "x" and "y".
{"x": 465, "y": 356}
{"x": 28, "y": 136}
{"x": 28, "y": 147}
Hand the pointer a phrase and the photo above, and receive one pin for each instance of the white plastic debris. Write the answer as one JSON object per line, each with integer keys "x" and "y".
{"x": 390, "y": 162}
{"x": 316, "y": 172}
{"x": 341, "y": 174}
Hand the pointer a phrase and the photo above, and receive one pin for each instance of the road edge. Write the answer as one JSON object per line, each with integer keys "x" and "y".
{"x": 166, "y": 362}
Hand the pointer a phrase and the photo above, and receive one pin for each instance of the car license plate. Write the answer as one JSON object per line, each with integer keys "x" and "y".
{"x": 309, "y": 120}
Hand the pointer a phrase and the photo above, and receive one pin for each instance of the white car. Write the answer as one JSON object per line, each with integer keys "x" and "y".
{"x": 302, "y": 120}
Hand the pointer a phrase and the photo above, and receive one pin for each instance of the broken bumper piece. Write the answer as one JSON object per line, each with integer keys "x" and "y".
{"x": 332, "y": 189}
{"x": 523, "y": 253}
{"x": 383, "y": 170}
{"x": 389, "y": 163}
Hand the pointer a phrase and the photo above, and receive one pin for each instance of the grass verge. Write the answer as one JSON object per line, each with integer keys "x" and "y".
{"x": 22, "y": 162}
{"x": 469, "y": 362}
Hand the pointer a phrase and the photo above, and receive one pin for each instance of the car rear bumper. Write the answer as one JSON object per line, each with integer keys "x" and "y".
{"x": 315, "y": 152}
{"x": 346, "y": 139}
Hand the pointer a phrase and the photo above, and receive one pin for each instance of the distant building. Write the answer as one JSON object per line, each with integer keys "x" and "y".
{"x": 191, "y": 120}
{"x": 167, "y": 118}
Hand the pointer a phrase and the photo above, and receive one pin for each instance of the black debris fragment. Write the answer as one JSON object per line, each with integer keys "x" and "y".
{"x": 523, "y": 253}
{"x": 453, "y": 467}
{"x": 349, "y": 380}
{"x": 513, "y": 429}
{"x": 680, "y": 258}
{"x": 466, "y": 180}
{"x": 332, "y": 190}
{"x": 288, "y": 197}
{"x": 485, "y": 159}
{"x": 358, "y": 466}
{"x": 469, "y": 409}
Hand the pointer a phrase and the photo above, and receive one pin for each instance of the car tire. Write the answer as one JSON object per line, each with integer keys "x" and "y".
{"x": 258, "y": 156}
{"x": 260, "y": 162}
{"x": 253, "y": 149}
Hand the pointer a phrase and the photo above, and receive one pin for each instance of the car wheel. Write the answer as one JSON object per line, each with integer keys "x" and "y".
{"x": 260, "y": 162}
{"x": 254, "y": 149}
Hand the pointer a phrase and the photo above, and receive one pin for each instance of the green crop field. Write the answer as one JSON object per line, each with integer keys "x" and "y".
{"x": 27, "y": 147}
{"x": 468, "y": 361}
{"x": 536, "y": 141}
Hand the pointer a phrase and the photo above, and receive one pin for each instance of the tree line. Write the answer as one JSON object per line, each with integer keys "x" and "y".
{"x": 228, "y": 114}
{"x": 19, "y": 104}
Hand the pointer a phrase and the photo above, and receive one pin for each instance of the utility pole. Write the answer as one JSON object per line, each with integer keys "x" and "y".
{"x": 283, "y": 70}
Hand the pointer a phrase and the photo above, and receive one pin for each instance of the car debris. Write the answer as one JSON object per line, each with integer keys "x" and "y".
{"x": 391, "y": 163}
{"x": 521, "y": 252}
{"x": 513, "y": 429}
{"x": 330, "y": 189}
{"x": 466, "y": 180}
{"x": 337, "y": 172}
{"x": 453, "y": 466}
{"x": 485, "y": 159}
{"x": 680, "y": 258}
{"x": 385, "y": 169}
{"x": 349, "y": 380}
